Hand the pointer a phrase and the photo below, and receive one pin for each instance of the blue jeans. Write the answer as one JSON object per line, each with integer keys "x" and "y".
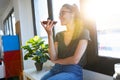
{"x": 64, "y": 72}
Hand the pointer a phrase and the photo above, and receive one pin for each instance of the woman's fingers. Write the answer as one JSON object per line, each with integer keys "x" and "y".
{"x": 51, "y": 23}
{"x": 48, "y": 22}
{"x": 42, "y": 24}
{"x": 48, "y": 26}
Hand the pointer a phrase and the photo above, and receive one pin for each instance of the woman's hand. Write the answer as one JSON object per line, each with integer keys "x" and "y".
{"x": 48, "y": 27}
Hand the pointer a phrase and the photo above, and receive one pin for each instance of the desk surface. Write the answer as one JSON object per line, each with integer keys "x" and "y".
{"x": 33, "y": 74}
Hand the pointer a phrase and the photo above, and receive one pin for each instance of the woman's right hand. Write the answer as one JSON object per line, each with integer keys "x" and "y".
{"x": 48, "y": 27}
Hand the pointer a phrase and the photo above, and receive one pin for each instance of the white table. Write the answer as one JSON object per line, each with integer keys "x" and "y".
{"x": 33, "y": 74}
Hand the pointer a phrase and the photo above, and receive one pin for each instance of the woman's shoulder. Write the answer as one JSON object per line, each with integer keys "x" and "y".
{"x": 85, "y": 30}
{"x": 85, "y": 34}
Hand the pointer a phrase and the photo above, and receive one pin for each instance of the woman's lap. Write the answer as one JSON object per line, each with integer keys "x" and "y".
{"x": 64, "y": 76}
{"x": 61, "y": 76}
{"x": 46, "y": 76}
{"x": 59, "y": 72}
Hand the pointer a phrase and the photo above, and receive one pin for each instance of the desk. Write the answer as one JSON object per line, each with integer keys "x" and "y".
{"x": 33, "y": 74}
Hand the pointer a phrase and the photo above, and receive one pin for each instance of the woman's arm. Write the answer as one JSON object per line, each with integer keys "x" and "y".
{"x": 52, "y": 50}
{"x": 77, "y": 55}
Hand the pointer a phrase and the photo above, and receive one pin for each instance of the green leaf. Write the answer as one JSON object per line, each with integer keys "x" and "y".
{"x": 36, "y": 49}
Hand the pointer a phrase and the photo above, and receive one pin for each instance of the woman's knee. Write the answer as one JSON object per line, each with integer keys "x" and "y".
{"x": 46, "y": 76}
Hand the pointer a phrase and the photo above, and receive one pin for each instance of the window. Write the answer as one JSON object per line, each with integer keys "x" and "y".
{"x": 9, "y": 24}
{"x": 106, "y": 13}
{"x": 41, "y": 13}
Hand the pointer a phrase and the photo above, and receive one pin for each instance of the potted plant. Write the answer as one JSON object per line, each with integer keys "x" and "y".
{"x": 37, "y": 50}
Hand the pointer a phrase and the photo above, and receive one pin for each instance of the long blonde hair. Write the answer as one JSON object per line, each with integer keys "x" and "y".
{"x": 77, "y": 19}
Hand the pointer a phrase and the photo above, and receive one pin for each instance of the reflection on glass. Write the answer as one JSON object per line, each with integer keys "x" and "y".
{"x": 106, "y": 13}
{"x": 41, "y": 13}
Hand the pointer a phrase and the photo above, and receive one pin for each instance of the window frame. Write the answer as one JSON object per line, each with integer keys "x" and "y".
{"x": 8, "y": 24}
{"x": 50, "y": 15}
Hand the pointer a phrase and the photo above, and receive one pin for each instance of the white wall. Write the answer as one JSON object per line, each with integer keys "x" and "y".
{"x": 2, "y": 18}
{"x": 23, "y": 13}
{"x": 7, "y": 11}
{"x": 16, "y": 9}
{"x": 26, "y": 23}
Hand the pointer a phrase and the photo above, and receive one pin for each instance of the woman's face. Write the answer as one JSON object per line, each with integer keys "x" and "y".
{"x": 66, "y": 16}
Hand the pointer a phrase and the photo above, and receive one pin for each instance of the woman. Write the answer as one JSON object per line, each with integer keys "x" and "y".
{"x": 69, "y": 46}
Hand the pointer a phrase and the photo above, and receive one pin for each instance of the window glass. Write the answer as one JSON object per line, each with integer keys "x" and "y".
{"x": 6, "y": 30}
{"x": 13, "y": 23}
{"x": 56, "y": 10}
{"x": 106, "y": 13}
{"x": 41, "y": 13}
{"x": 9, "y": 24}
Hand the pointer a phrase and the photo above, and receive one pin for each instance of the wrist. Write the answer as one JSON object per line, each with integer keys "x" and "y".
{"x": 50, "y": 35}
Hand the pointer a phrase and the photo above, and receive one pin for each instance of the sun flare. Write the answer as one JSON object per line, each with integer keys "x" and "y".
{"x": 103, "y": 11}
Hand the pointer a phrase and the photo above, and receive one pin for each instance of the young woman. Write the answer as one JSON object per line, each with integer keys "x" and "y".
{"x": 69, "y": 46}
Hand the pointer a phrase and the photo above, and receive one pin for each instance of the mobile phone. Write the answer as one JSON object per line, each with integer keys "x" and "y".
{"x": 45, "y": 22}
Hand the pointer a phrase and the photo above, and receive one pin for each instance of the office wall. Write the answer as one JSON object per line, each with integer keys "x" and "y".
{"x": 23, "y": 15}
{"x": 26, "y": 26}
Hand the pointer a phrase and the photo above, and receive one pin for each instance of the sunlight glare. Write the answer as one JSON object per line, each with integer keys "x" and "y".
{"x": 102, "y": 11}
